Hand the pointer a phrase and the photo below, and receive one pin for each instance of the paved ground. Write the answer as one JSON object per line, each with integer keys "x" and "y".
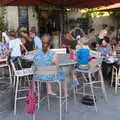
{"x": 106, "y": 110}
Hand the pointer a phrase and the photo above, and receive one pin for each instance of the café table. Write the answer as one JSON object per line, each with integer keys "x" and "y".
{"x": 63, "y": 60}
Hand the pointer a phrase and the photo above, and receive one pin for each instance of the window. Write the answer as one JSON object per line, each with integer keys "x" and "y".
{"x": 23, "y": 16}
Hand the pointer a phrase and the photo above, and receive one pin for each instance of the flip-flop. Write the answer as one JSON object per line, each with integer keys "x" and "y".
{"x": 53, "y": 94}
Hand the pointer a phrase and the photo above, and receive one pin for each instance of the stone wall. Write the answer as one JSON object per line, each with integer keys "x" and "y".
{"x": 97, "y": 22}
{"x": 12, "y": 17}
{"x": 32, "y": 18}
{"x": 13, "y": 20}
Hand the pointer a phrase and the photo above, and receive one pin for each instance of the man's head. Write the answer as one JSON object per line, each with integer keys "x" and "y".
{"x": 12, "y": 35}
{"x": 32, "y": 34}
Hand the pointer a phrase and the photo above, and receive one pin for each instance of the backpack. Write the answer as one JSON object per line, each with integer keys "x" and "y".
{"x": 31, "y": 100}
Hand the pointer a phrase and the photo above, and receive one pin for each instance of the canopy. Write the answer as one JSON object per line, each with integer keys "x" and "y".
{"x": 114, "y": 7}
{"x": 62, "y": 3}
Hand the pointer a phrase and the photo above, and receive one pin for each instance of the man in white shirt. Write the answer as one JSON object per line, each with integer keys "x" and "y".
{"x": 15, "y": 45}
{"x": 37, "y": 40}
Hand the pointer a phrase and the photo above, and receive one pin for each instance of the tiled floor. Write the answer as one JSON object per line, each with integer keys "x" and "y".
{"x": 109, "y": 110}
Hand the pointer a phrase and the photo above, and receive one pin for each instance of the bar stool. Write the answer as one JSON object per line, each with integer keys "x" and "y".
{"x": 115, "y": 78}
{"x": 4, "y": 64}
{"x": 17, "y": 75}
{"x": 50, "y": 70}
{"x": 95, "y": 66}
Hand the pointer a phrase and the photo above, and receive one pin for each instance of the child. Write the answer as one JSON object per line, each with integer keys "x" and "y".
{"x": 83, "y": 54}
{"x": 15, "y": 45}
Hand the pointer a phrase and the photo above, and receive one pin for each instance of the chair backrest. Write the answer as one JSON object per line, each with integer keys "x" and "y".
{"x": 118, "y": 51}
{"x": 14, "y": 66}
{"x": 49, "y": 70}
{"x": 60, "y": 51}
{"x": 3, "y": 62}
{"x": 96, "y": 63}
{"x": 31, "y": 52}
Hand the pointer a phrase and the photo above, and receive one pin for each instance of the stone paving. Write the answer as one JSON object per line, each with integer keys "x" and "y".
{"x": 109, "y": 110}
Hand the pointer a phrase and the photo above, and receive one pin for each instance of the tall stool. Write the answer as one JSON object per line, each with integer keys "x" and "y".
{"x": 4, "y": 64}
{"x": 95, "y": 66}
{"x": 50, "y": 70}
{"x": 17, "y": 75}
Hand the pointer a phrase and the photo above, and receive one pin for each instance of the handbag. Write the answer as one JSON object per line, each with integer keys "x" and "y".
{"x": 31, "y": 100}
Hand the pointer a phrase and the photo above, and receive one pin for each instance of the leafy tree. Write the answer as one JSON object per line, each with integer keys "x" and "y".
{"x": 3, "y": 22}
{"x": 116, "y": 17}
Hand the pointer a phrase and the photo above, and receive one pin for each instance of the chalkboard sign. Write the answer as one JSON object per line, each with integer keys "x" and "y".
{"x": 23, "y": 16}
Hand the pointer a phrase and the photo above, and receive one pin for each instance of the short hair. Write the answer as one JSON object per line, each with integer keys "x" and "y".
{"x": 104, "y": 26}
{"x": 106, "y": 39}
{"x": 84, "y": 40}
{"x": 33, "y": 31}
{"x": 12, "y": 34}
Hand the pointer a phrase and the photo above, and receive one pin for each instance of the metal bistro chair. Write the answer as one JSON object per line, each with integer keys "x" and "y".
{"x": 115, "y": 77}
{"x": 60, "y": 51}
{"x": 4, "y": 64}
{"x": 50, "y": 70}
{"x": 95, "y": 66}
{"x": 18, "y": 74}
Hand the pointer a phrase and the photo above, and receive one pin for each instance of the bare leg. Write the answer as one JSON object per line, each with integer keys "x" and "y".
{"x": 50, "y": 89}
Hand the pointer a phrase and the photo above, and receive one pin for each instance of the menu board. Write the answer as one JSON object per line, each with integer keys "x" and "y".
{"x": 23, "y": 16}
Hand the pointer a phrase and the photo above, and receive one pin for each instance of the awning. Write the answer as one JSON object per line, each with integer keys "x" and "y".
{"x": 114, "y": 7}
{"x": 62, "y": 3}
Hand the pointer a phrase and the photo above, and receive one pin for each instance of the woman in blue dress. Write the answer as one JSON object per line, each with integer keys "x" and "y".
{"x": 44, "y": 58}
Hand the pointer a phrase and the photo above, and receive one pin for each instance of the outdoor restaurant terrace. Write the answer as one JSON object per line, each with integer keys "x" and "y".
{"x": 57, "y": 67}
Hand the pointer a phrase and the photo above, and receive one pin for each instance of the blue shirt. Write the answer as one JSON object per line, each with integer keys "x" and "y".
{"x": 105, "y": 50}
{"x": 42, "y": 59}
{"x": 83, "y": 56}
{"x": 38, "y": 43}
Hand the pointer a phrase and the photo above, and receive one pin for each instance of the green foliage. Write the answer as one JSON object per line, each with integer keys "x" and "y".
{"x": 3, "y": 24}
{"x": 116, "y": 17}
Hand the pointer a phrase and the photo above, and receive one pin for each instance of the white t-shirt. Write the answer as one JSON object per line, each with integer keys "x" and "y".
{"x": 15, "y": 46}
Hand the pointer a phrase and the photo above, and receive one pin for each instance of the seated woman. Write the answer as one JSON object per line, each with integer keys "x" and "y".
{"x": 44, "y": 58}
{"x": 105, "y": 48}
